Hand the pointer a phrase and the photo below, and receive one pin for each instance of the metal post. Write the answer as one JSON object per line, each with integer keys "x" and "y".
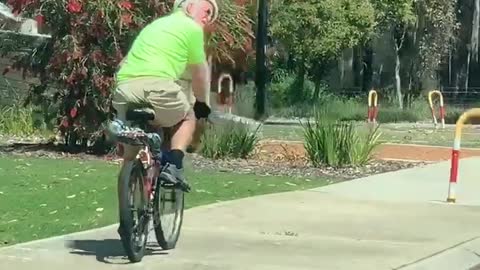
{"x": 261, "y": 72}
{"x": 456, "y": 151}
{"x": 442, "y": 107}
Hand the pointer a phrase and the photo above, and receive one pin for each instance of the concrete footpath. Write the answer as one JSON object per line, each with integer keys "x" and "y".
{"x": 395, "y": 220}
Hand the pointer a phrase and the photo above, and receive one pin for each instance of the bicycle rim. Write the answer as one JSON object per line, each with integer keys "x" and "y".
{"x": 169, "y": 205}
{"x": 133, "y": 217}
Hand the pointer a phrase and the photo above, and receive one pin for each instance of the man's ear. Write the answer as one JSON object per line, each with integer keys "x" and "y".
{"x": 188, "y": 8}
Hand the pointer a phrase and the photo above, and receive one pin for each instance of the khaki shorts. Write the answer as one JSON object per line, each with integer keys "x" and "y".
{"x": 186, "y": 86}
{"x": 171, "y": 102}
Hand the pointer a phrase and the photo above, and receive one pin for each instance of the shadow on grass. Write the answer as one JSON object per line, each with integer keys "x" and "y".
{"x": 29, "y": 147}
{"x": 109, "y": 251}
{"x": 51, "y": 149}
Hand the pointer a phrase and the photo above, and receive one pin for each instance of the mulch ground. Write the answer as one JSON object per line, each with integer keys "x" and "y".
{"x": 295, "y": 150}
{"x": 270, "y": 158}
{"x": 273, "y": 158}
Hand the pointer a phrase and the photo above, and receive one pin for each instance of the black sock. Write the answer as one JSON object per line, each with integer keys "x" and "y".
{"x": 175, "y": 157}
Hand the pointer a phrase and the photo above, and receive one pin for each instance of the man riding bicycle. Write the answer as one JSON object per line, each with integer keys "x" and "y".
{"x": 165, "y": 50}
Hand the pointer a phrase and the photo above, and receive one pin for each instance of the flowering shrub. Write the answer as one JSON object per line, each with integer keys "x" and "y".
{"x": 89, "y": 39}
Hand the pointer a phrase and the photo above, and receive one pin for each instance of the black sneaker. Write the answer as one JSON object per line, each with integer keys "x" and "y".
{"x": 175, "y": 176}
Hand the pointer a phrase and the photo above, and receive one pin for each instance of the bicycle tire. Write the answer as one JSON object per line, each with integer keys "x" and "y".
{"x": 167, "y": 239}
{"x": 134, "y": 169}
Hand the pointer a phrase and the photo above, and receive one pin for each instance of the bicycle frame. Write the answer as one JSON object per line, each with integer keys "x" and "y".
{"x": 152, "y": 169}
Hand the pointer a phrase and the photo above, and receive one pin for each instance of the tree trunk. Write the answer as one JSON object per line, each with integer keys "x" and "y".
{"x": 301, "y": 77}
{"x": 341, "y": 67}
{"x": 297, "y": 92}
{"x": 377, "y": 81}
{"x": 397, "y": 77}
{"x": 317, "y": 90}
{"x": 450, "y": 58}
{"x": 475, "y": 29}
{"x": 357, "y": 66}
{"x": 368, "y": 72}
{"x": 467, "y": 72}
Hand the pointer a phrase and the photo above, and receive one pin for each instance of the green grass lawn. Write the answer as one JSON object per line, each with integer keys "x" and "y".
{"x": 44, "y": 197}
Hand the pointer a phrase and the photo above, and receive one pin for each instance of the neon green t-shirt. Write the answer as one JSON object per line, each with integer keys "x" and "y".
{"x": 164, "y": 48}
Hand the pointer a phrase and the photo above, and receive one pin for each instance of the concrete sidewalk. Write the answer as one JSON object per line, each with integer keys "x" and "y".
{"x": 392, "y": 221}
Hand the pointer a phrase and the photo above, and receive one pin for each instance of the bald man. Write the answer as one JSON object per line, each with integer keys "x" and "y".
{"x": 163, "y": 51}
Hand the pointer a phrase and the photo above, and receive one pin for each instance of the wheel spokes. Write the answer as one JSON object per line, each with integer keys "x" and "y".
{"x": 169, "y": 207}
{"x": 138, "y": 209}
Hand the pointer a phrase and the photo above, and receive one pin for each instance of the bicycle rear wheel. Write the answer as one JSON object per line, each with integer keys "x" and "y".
{"x": 133, "y": 210}
{"x": 168, "y": 214}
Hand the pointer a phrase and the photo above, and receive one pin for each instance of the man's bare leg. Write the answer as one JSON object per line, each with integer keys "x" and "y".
{"x": 183, "y": 134}
{"x": 200, "y": 128}
{"x": 181, "y": 139}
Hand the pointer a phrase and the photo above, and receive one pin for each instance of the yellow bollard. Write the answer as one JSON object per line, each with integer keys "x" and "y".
{"x": 456, "y": 151}
{"x": 372, "y": 106}
{"x": 229, "y": 101}
{"x": 442, "y": 108}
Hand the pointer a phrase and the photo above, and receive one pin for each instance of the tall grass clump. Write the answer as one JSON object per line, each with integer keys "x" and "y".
{"x": 397, "y": 115}
{"x": 341, "y": 109}
{"x": 229, "y": 140}
{"x": 452, "y": 114}
{"x": 17, "y": 121}
{"x": 338, "y": 143}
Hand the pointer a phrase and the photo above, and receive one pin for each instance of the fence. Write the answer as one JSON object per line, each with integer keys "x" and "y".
{"x": 456, "y": 97}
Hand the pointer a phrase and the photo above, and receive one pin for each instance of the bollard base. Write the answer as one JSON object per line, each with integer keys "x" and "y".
{"x": 451, "y": 200}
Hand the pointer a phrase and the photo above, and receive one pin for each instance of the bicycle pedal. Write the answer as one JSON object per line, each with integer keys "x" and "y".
{"x": 170, "y": 182}
{"x": 168, "y": 185}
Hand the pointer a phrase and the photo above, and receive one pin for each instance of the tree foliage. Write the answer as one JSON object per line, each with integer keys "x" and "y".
{"x": 321, "y": 28}
{"x": 315, "y": 32}
{"x": 422, "y": 33}
{"x": 394, "y": 12}
{"x": 89, "y": 38}
{"x": 436, "y": 34}
{"x": 231, "y": 41}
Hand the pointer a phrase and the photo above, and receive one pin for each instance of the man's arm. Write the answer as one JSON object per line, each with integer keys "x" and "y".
{"x": 200, "y": 80}
{"x": 198, "y": 65}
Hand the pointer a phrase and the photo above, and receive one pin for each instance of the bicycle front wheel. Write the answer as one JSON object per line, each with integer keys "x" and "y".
{"x": 168, "y": 214}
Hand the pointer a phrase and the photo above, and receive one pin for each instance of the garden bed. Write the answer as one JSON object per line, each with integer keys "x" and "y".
{"x": 288, "y": 150}
{"x": 269, "y": 158}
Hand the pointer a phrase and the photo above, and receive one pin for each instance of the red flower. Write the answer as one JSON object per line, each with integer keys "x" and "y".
{"x": 64, "y": 122}
{"x": 74, "y": 6}
{"x": 40, "y": 20}
{"x": 126, "y": 19}
{"x": 73, "y": 112}
{"x": 126, "y": 5}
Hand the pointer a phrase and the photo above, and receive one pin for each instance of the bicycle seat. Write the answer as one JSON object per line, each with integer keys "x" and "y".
{"x": 140, "y": 115}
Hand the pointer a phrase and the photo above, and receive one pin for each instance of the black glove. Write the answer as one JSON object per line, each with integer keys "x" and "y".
{"x": 201, "y": 110}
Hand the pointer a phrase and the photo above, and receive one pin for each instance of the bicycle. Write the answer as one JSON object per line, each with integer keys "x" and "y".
{"x": 151, "y": 188}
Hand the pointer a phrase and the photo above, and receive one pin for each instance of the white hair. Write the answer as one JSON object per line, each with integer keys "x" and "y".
{"x": 182, "y": 4}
